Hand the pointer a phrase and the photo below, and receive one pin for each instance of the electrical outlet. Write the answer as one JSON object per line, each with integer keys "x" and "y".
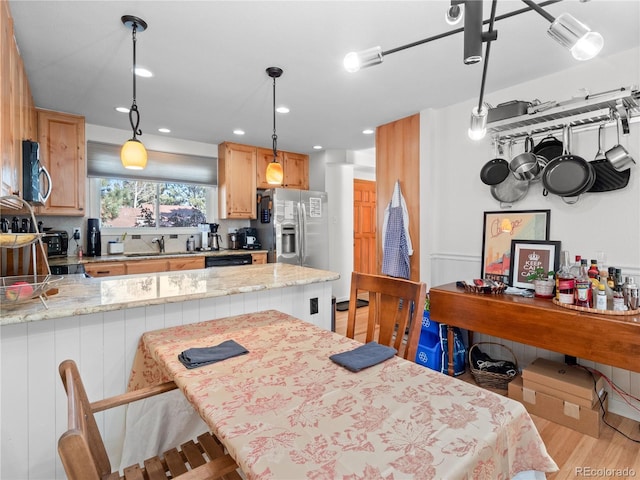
{"x": 313, "y": 306}
{"x": 76, "y": 234}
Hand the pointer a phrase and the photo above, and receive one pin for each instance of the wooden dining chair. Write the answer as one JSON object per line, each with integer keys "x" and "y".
{"x": 395, "y": 307}
{"x": 84, "y": 456}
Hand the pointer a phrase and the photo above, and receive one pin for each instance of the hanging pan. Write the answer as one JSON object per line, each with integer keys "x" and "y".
{"x": 510, "y": 190}
{"x": 568, "y": 175}
{"x": 549, "y": 148}
{"x": 607, "y": 177}
{"x": 496, "y": 170}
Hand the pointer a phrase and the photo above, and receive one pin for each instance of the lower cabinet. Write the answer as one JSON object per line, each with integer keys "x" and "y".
{"x": 154, "y": 265}
{"x": 258, "y": 258}
{"x": 187, "y": 263}
{"x": 105, "y": 269}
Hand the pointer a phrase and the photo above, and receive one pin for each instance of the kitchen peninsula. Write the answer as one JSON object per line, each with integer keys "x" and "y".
{"x": 98, "y": 323}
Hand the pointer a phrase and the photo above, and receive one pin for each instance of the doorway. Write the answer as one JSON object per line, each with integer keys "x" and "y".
{"x": 364, "y": 226}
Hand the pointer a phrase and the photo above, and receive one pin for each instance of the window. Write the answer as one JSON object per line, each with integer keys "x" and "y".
{"x": 132, "y": 203}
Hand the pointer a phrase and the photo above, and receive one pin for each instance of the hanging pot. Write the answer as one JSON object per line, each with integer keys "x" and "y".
{"x": 525, "y": 166}
{"x": 618, "y": 155}
{"x": 549, "y": 148}
{"x": 568, "y": 175}
{"x": 510, "y": 190}
{"x": 496, "y": 170}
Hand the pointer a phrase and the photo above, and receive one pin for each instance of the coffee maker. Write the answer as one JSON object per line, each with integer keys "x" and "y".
{"x": 94, "y": 248}
{"x": 248, "y": 238}
{"x": 214, "y": 238}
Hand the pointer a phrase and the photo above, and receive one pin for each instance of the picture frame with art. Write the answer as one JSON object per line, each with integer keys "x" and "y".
{"x": 529, "y": 255}
{"x": 499, "y": 229}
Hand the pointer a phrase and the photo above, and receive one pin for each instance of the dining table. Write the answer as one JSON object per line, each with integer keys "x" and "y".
{"x": 285, "y": 410}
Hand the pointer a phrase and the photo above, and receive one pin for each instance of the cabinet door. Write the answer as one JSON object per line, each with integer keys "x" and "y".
{"x": 258, "y": 258}
{"x": 147, "y": 266}
{"x": 186, "y": 263}
{"x": 296, "y": 170}
{"x": 265, "y": 157}
{"x": 105, "y": 269}
{"x": 62, "y": 152}
{"x": 8, "y": 156}
{"x": 236, "y": 181}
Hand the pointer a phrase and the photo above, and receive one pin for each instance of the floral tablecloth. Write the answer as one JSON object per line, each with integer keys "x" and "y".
{"x": 285, "y": 411}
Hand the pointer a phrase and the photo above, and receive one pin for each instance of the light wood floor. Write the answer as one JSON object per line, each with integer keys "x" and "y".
{"x": 571, "y": 450}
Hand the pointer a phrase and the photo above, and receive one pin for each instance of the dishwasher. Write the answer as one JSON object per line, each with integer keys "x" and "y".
{"x": 227, "y": 260}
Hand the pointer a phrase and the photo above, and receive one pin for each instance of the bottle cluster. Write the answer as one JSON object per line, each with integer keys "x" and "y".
{"x": 586, "y": 285}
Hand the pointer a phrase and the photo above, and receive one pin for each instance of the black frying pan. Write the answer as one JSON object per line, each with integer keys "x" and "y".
{"x": 549, "y": 147}
{"x": 568, "y": 175}
{"x": 494, "y": 171}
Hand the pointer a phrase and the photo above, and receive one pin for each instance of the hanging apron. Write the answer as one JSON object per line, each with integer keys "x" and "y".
{"x": 395, "y": 256}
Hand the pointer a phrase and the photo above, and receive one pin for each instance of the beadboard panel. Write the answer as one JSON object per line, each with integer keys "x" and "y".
{"x": 33, "y": 403}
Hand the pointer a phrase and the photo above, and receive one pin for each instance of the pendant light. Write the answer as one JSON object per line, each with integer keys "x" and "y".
{"x": 274, "y": 174}
{"x": 133, "y": 155}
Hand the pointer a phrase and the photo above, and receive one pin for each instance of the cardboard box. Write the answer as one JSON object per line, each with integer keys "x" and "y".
{"x": 570, "y": 383}
{"x": 582, "y": 419}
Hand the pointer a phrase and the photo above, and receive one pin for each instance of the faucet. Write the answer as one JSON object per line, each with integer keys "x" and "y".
{"x": 160, "y": 242}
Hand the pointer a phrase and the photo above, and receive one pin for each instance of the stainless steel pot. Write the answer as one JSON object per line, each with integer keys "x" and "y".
{"x": 525, "y": 166}
{"x": 618, "y": 155}
{"x": 510, "y": 190}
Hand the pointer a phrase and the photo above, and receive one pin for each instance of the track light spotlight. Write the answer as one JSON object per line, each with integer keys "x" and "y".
{"x": 354, "y": 61}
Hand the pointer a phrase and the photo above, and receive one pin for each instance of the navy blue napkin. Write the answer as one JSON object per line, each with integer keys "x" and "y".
{"x": 364, "y": 356}
{"x": 197, "y": 357}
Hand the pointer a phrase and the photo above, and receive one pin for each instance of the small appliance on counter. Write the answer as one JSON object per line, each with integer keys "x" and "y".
{"x": 214, "y": 237}
{"x": 57, "y": 242}
{"x": 94, "y": 245}
{"x": 248, "y": 238}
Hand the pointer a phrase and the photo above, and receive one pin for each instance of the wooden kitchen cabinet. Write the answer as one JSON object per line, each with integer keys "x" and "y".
{"x": 17, "y": 109}
{"x": 62, "y": 152}
{"x": 259, "y": 258}
{"x": 186, "y": 263}
{"x": 147, "y": 266}
{"x": 105, "y": 269}
{"x": 236, "y": 181}
{"x": 295, "y": 167}
{"x": 296, "y": 170}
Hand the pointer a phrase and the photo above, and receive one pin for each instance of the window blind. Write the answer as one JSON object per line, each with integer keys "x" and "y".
{"x": 103, "y": 160}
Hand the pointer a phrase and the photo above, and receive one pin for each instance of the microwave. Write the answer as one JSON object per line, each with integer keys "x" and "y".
{"x": 35, "y": 177}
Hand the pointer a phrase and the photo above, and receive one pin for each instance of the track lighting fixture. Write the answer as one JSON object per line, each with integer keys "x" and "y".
{"x": 274, "y": 174}
{"x": 571, "y": 34}
{"x": 454, "y": 12}
{"x": 133, "y": 155}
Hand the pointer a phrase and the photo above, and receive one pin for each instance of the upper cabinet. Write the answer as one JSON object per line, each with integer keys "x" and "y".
{"x": 294, "y": 165}
{"x": 236, "y": 181}
{"x": 62, "y": 152}
{"x": 17, "y": 110}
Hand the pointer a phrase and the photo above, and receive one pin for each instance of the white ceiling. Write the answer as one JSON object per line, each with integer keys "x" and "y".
{"x": 209, "y": 60}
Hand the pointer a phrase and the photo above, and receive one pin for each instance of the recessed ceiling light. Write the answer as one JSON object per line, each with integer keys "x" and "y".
{"x": 368, "y": 131}
{"x": 238, "y": 131}
{"x": 317, "y": 147}
{"x": 143, "y": 72}
{"x": 164, "y": 130}
{"x": 282, "y": 110}
{"x": 122, "y": 109}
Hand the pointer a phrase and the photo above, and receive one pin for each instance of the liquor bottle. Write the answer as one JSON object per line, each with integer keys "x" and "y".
{"x": 618, "y": 299}
{"x": 593, "y": 272}
{"x": 575, "y": 267}
{"x": 565, "y": 282}
{"x": 601, "y": 299}
{"x": 583, "y": 292}
{"x": 611, "y": 278}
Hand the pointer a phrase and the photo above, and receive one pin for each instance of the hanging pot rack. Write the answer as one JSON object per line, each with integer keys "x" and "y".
{"x": 581, "y": 114}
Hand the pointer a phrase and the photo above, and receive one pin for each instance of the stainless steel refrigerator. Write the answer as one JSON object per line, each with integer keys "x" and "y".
{"x": 293, "y": 225}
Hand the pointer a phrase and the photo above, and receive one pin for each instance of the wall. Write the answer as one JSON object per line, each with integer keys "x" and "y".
{"x": 453, "y": 197}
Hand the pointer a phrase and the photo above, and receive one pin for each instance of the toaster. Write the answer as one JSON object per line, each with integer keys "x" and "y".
{"x": 57, "y": 243}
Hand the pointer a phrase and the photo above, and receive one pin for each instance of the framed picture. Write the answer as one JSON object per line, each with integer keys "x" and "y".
{"x": 527, "y": 255}
{"x": 499, "y": 228}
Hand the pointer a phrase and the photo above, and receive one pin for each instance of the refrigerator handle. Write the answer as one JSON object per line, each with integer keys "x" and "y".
{"x": 303, "y": 225}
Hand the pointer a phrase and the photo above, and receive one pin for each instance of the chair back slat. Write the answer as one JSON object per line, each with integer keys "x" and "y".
{"x": 86, "y": 452}
{"x": 395, "y": 307}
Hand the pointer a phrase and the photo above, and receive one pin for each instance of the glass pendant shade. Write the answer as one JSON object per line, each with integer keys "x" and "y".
{"x": 274, "y": 174}
{"x": 576, "y": 37}
{"x": 133, "y": 155}
{"x": 478, "y": 127}
{"x": 354, "y": 61}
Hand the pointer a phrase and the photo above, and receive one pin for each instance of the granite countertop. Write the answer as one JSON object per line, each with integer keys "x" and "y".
{"x": 78, "y": 295}
{"x": 128, "y": 257}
